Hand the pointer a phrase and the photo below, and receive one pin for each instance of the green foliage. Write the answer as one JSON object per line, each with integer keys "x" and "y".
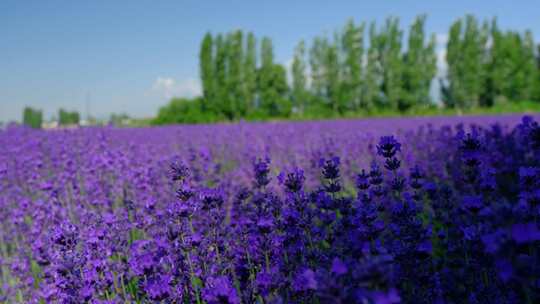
{"x": 466, "y": 57}
{"x": 536, "y": 91}
{"x": 207, "y": 69}
{"x": 526, "y": 72}
{"x": 420, "y": 66}
{"x": 428, "y": 110}
{"x": 326, "y": 72}
{"x": 66, "y": 118}
{"x": 219, "y": 99}
{"x": 370, "y": 92}
{"x": 272, "y": 83}
{"x": 354, "y": 73}
{"x": 32, "y": 117}
{"x": 299, "y": 79}
{"x": 273, "y": 89}
{"x": 389, "y": 50}
{"x": 353, "y": 52}
{"x": 487, "y": 66}
{"x": 331, "y": 65}
{"x": 235, "y": 100}
{"x": 184, "y": 110}
{"x": 250, "y": 73}
{"x": 337, "y": 69}
{"x": 318, "y": 110}
{"x": 228, "y": 74}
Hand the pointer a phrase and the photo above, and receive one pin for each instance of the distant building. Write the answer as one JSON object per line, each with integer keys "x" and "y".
{"x": 48, "y": 125}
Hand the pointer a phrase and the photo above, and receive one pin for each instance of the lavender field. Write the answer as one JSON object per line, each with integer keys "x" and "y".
{"x": 412, "y": 210}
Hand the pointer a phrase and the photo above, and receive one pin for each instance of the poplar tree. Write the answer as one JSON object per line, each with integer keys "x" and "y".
{"x": 420, "y": 66}
{"x": 236, "y": 105}
{"x": 332, "y": 67}
{"x": 265, "y": 74}
{"x": 372, "y": 76}
{"x": 316, "y": 62}
{"x": 206, "y": 66}
{"x": 473, "y": 48}
{"x": 250, "y": 72}
{"x": 498, "y": 67}
{"x": 326, "y": 70}
{"x": 453, "y": 91}
{"x": 528, "y": 72}
{"x": 536, "y": 92}
{"x": 390, "y": 59}
{"x": 272, "y": 83}
{"x": 515, "y": 76}
{"x": 353, "y": 49}
{"x": 486, "y": 66}
{"x": 220, "y": 101}
{"x": 299, "y": 80}
{"x": 466, "y": 57}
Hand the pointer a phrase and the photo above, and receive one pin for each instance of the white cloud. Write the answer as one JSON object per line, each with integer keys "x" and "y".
{"x": 169, "y": 87}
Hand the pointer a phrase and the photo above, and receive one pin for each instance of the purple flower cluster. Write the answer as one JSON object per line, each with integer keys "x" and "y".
{"x": 429, "y": 214}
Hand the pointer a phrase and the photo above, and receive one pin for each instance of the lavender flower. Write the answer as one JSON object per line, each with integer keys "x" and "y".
{"x": 449, "y": 214}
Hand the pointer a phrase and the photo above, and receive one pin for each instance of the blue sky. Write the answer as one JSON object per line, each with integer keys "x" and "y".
{"x": 131, "y": 56}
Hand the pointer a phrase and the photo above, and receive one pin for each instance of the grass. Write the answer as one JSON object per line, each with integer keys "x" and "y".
{"x": 502, "y": 108}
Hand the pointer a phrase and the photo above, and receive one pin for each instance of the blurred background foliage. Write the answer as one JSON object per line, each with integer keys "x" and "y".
{"x": 32, "y": 117}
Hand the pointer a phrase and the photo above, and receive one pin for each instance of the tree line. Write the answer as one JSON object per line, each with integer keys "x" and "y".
{"x": 361, "y": 68}
{"x": 487, "y": 66}
{"x": 34, "y": 117}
